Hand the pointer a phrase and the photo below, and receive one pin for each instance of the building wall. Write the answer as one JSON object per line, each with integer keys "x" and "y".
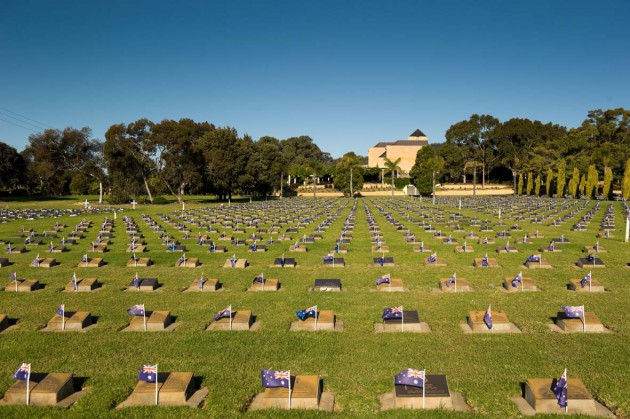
{"x": 373, "y": 157}
{"x": 407, "y": 155}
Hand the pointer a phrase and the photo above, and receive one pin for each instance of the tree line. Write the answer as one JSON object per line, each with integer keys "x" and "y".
{"x": 148, "y": 159}
{"x": 539, "y": 159}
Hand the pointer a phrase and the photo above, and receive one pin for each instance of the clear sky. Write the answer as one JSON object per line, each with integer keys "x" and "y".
{"x": 347, "y": 73}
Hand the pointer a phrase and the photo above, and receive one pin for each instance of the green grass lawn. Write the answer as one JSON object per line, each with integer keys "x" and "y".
{"x": 356, "y": 364}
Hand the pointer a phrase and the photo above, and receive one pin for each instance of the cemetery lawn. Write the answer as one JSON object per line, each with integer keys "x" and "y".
{"x": 357, "y": 365}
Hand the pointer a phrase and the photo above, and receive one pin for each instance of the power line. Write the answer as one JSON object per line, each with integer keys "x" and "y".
{"x": 17, "y": 125}
{"x": 5, "y": 110}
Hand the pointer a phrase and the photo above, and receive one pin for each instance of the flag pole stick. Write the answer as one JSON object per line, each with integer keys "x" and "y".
{"x": 455, "y": 276}
{"x": 584, "y": 319}
{"x": 424, "y": 385}
{"x": 63, "y": 318}
{"x": 144, "y": 317}
{"x": 230, "y": 316}
{"x": 28, "y": 385}
{"x": 156, "y": 384}
{"x": 290, "y": 390}
{"x": 590, "y": 277}
{"x": 402, "y": 319}
{"x": 315, "y": 317}
{"x": 16, "y": 282}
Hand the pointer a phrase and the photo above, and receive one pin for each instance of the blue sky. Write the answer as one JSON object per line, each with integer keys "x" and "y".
{"x": 347, "y": 73}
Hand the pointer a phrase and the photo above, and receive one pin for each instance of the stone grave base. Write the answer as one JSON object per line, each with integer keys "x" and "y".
{"x": 47, "y": 263}
{"x": 588, "y": 264}
{"x": 486, "y": 241}
{"x": 425, "y": 249}
{"x": 19, "y": 249}
{"x": 388, "y": 262}
{"x": 492, "y": 263}
{"x": 79, "y": 321}
{"x": 288, "y": 263}
{"x": 190, "y": 263}
{"x": 395, "y": 285}
{"x": 240, "y": 263}
{"x": 326, "y": 321}
{"x": 341, "y": 250}
{"x": 157, "y": 321}
{"x": 298, "y": 249}
{"x": 460, "y": 249}
{"x": 454, "y": 402}
{"x": 145, "y": 285}
{"x": 225, "y": 238}
{"x": 382, "y": 249}
{"x": 528, "y": 285}
{"x": 92, "y": 263}
{"x": 591, "y": 249}
{"x": 503, "y": 250}
{"x": 174, "y": 389}
{"x": 438, "y": 263}
{"x": 419, "y": 327}
{"x": 576, "y": 325}
{"x": 500, "y": 323}
{"x": 545, "y": 249}
{"x": 142, "y": 262}
{"x": 59, "y": 249}
{"x": 209, "y": 285}
{"x": 538, "y": 398}
{"x": 462, "y": 285}
{"x": 602, "y": 235}
{"x": 241, "y": 320}
{"x": 138, "y": 249}
{"x": 576, "y": 285}
{"x": 101, "y": 248}
{"x": 218, "y": 249}
{"x": 4, "y": 323}
{"x": 469, "y": 237}
{"x": 543, "y": 264}
{"x": 46, "y": 389}
{"x": 306, "y": 394}
{"x": 24, "y": 285}
{"x": 258, "y": 249}
{"x": 269, "y": 285}
{"x": 83, "y": 285}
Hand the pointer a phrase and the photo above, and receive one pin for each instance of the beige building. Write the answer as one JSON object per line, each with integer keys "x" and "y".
{"x": 406, "y": 150}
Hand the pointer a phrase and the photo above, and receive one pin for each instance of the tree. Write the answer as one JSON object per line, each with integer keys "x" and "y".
{"x": 548, "y": 181}
{"x": 591, "y": 182}
{"x": 393, "y": 167}
{"x": 562, "y": 178}
{"x": 12, "y": 168}
{"x": 519, "y": 191}
{"x": 625, "y": 186}
{"x": 424, "y": 172}
{"x": 348, "y": 169}
{"x": 608, "y": 178}
{"x": 574, "y": 182}
{"x": 530, "y": 183}
{"x": 455, "y": 158}
{"x": 266, "y": 165}
{"x": 537, "y": 187}
{"x": 582, "y": 186}
{"x": 474, "y": 135}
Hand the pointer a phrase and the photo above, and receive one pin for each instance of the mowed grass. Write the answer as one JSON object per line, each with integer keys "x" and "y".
{"x": 356, "y": 364}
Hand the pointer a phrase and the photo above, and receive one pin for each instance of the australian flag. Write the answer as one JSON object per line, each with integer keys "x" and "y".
{"x": 84, "y": 258}
{"x": 136, "y": 282}
{"x": 410, "y": 377}
{"x": 148, "y": 373}
{"x": 329, "y": 257}
{"x": 393, "y": 313}
{"x": 181, "y": 260}
{"x": 433, "y": 258}
{"x": 452, "y": 280}
{"x": 560, "y": 390}
{"x": 385, "y": 279}
{"x": 23, "y": 373}
{"x": 487, "y": 318}
{"x": 484, "y": 261}
{"x": 74, "y": 282}
{"x": 36, "y": 260}
{"x": 534, "y": 258}
{"x": 13, "y": 276}
{"x": 137, "y": 310}
{"x": 518, "y": 278}
{"x": 271, "y": 378}
{"x": 305, "y": 314}
{"x": 551, "y": 246}
{"x": 586, "y": 280}
{"x": 574, "y": 312}
{"x": 61, "y": 310}
{"x": 260, "y": 278}
{"x": 225, "y": 313}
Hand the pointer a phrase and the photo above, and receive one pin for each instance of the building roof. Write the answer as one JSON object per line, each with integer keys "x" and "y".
{"x": 417, "y": 133}
{"x": 403, "y": 143}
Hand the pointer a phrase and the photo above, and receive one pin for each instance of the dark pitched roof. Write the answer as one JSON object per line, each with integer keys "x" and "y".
{"x": 403, "y": 142}
{"x": 417, "y": 133}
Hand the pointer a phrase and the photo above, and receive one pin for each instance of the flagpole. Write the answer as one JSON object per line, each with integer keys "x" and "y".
{"x": 590, "y": 278}
{"x": 566, "y": 408}
{"x": 28, "y": 385}
{"x": 230, "y": 316}
{"x": 522, "y": 281}
{"x": 402, "y": 319}
{"x": 16, "y": 282}
{"x": 63, "y": 317}
{"x": 424, "y": 384}
{"x": 455, "y": 277}
{"x": 156, "y": 384}
{"x": 315, "y": 317}
{"x": 290, "y": 389}
{"x": 584, "y": 319}
{"x": 144, "y": 317}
